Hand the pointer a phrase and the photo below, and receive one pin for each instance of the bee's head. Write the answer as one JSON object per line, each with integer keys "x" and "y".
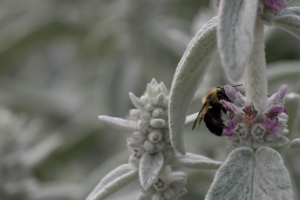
{"x": 221, "y": 93}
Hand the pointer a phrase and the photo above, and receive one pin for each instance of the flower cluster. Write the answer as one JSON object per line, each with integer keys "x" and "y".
{"x": 267, "y": 5}
{"x": 272, "y": 5}
{"x": 167, "y": 186}
{"x": 151, "y": 116}
{"x": 248, "y": 126}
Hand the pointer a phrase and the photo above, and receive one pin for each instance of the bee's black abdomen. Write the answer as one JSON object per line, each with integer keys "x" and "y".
{"x": 213, "y": 119}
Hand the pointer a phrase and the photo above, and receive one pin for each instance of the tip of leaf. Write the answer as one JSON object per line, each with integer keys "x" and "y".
{"x": 150, "y": 166}
{"x": 101, "y": 117}
{"x": 131, "y": 94}
{"x": 295, "y": 143}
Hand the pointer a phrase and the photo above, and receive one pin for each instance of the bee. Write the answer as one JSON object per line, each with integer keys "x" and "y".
{"x": 211, "y": 111}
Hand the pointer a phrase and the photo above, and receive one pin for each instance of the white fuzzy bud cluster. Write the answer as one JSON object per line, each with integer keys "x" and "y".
{"x": 152, "y": 152}
{"x": 167, "y": 186}
{"x": 151, "y": 117}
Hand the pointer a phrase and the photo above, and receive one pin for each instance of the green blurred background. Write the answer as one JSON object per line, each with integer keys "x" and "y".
{"x": 64, "y": 62}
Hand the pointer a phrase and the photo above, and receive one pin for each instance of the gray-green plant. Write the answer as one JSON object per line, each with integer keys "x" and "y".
{"x": 22, "y": 150}
{"x": 255, "y": 124}
{"x": 152, "y": 154}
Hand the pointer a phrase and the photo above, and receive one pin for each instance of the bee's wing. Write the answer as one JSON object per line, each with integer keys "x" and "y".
{"x": 199, "y": 117}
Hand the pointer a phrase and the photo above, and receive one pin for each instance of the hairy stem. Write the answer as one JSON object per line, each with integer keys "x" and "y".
{"x": 256, "y": 77}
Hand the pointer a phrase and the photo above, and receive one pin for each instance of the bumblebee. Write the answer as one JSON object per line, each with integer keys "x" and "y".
{"x": 211, "y": 111}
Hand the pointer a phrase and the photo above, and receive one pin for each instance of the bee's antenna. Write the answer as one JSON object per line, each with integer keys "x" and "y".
{"x": 237, "y": 85}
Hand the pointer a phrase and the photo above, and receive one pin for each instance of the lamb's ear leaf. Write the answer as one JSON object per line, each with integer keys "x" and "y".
{"x": 271, "y": 178}
{"x": 234, "y": 178}
{"x": 295, "y": 143}
{"x": 150, "y": 166}
{"x": 136, "y": 101}
{"x": 248, "y": 177}
{"x": 113, "y": 181}
{"x": 196, "y": 161}
{"x": 189, "y": 73}
{"x": 277, "y": 74}
{"x": 289, "y": 20}
{"x": 190, "y": 119}
{"x": 119, "y": 123}
{"x": 236, "y": 34}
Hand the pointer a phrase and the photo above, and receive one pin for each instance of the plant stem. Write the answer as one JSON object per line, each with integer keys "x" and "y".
{"x": 256, "y": 76}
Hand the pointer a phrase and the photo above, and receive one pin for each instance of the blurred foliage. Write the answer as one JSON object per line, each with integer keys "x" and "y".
{"x": 66, "y": 62}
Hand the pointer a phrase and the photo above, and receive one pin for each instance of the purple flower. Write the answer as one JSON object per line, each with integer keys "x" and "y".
{"x": 274, "y": 111}
{"x": 275, "y": 5}
{"x": 229, "y": 129}
{"x": 228, "y": 106}
{"x": 230, "y": 92}
{"x": 281, "y": 92}
{"x": 272, "y": 125}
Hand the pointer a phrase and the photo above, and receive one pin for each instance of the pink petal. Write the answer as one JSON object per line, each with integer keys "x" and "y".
{"x": 276, "y": 5}
{"x": 229, "y": 129}
{"x": 274, "y": 111}
{"x": 228, "y": 106}
{"x": 272, "y": 125}
{"x": 281, "y": 92}
{"x": 230, "y": 92}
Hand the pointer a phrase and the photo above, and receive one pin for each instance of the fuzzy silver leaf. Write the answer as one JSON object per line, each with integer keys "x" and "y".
{"x": 191, "y": 160}
{"x": 278, "y": 141}
{"x": 150, "y": 167}
{"x": 271, "y": 178}
{"x": 289, "y": 20}
{"x": 113, "y": 181}
{"x": 277, "y": 73}
{"x": 295, "y": 143}
{"x": 136, "y": 101}
{"x": 190, "y": 119}
{"x": 234, "y": 179}
{"x": 189, "y": 73}
{"x": 236, "y": 34}
{"x": 247, "y": 177}
{"x": 119, "y": 123}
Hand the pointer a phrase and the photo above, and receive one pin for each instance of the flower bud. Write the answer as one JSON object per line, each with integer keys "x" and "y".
{"x": 158, "y": 123}
{"x": 155, "y": 136}
{"x": 158, "y": 113}
{"x": 149, "y": 146}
